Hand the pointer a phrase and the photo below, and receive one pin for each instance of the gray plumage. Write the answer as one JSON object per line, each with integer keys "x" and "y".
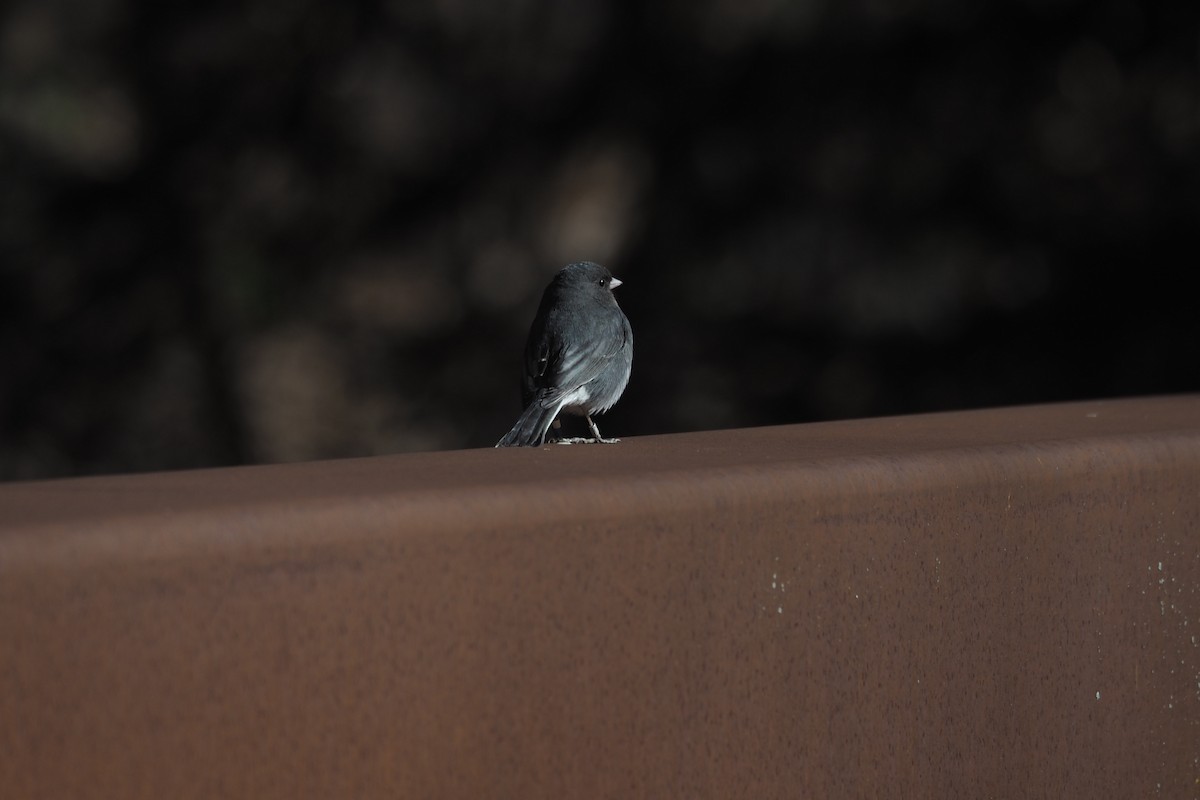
{"x": 578, "y": 355}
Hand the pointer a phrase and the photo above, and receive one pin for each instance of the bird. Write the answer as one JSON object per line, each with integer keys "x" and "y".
{"x": 578, "y": 355}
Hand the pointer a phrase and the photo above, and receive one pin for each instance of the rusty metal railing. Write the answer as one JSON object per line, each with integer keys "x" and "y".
{"x": 999, "y": 603}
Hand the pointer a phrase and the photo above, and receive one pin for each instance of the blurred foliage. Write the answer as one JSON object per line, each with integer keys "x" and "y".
{"x": 272, "y": 230}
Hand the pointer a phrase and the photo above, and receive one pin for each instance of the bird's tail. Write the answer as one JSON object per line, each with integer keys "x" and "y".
{"x": 530, "y": 430}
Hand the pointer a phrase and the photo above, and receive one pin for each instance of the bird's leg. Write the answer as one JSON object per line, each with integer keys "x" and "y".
{"x": 553, "y": 432}
{"x": 566, "y": 439}
{"x": 596, "y": 432}
{"x": 596, "y": 437}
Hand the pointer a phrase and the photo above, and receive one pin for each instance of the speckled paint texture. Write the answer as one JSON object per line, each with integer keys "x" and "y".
{"x": 986, "y": 604}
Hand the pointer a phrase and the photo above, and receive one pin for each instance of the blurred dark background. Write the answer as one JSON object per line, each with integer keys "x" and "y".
{"x": 294, "y": 229}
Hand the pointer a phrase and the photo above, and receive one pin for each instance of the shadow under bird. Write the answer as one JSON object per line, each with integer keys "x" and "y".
{"x": 577, "y": 357}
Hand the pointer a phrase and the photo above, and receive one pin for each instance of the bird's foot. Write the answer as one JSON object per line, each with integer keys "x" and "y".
{"x": 585, "y": 440}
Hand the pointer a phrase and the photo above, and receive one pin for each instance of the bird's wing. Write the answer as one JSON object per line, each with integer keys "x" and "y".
{"x": 571, "y": 362}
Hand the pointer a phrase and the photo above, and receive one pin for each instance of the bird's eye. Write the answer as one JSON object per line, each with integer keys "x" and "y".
{"x": 602, "y": 281}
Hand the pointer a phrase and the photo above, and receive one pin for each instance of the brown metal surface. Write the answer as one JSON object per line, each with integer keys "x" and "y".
{"x": 986, "y": 604}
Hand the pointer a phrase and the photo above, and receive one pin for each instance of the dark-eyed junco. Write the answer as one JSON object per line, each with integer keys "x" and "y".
{"x": 578, "y": 354}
